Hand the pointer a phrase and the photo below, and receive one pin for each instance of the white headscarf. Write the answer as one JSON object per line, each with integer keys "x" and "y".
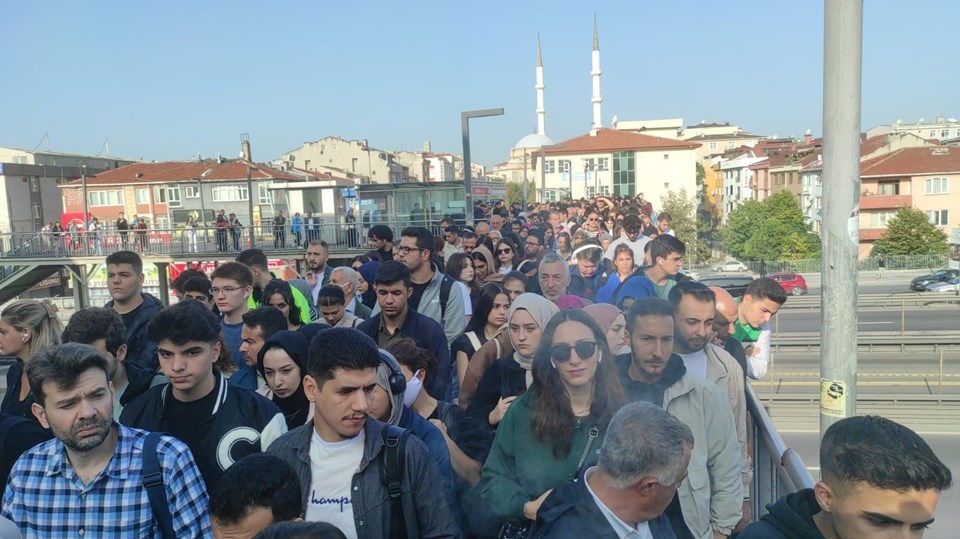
{"x": 541, "y": 310}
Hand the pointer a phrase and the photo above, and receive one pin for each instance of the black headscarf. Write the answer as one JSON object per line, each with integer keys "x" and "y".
{"x": 296, "y": 407}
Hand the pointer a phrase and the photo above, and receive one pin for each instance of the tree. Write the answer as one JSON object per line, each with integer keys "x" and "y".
{"x": 910, "y": 232}
{"x": 682, "y": 209}
{"x": 773, "y": 230}
{"x": 515, "y": 192}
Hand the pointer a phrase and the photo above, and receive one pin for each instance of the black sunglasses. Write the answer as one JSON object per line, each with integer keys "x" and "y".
{"x": 560, "y": 353}
{"x": 504, "y": 251}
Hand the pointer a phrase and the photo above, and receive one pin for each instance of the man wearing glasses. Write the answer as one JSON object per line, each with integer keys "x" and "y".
{"x": 631, "y": 237}
{"x": 231, "y": 286}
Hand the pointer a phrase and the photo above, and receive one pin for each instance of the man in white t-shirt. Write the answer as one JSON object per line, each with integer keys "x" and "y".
{"x": 338, "y": 457}
{"x": 636, "y": 478}
{"x": 631, "y": 237}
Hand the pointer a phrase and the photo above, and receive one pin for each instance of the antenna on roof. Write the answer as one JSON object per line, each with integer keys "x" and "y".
{"x": 46, "y": 137}
{"x": 106, "y": 144}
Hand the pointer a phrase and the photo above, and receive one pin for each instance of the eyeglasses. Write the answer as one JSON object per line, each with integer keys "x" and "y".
{"x": 591, "y": 218}
{"x": 225, "y": 290}
{"x": 534, "y": 243}
{"x": 404, "y": 250}
{"x": 504, "y": 251}
{"x": 560, "y": 353}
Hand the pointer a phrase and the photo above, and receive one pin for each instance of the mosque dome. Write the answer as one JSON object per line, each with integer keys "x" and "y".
{"x": 534, "y": 140}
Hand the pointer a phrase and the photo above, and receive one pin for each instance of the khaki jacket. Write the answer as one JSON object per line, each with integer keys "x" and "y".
{"x": 725, "y": 372}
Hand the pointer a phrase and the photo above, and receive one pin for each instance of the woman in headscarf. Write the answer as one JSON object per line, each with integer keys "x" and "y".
{"x": 281, "y": 363}
{"x": 614, "y": 325}
{"x": 510, "y": 376}
{"x": 367, "y": 271}
{"x": 553, "y": 432}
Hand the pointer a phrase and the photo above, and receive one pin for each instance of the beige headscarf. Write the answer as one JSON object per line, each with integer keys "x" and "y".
{"x": 541, "y": 310}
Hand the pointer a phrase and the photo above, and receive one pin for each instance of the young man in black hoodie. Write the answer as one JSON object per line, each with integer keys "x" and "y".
{"x": 879, "y": 480}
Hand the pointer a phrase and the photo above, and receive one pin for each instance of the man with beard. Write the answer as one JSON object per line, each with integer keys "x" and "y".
{"x": 694, "y": 311}
{"x": 89, "y": 478}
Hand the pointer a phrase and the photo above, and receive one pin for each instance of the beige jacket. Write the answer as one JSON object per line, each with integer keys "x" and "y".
{"x": 725, "y": 372}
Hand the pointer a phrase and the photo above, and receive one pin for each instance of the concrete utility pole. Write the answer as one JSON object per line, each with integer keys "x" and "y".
{"x": 843, "y": 47}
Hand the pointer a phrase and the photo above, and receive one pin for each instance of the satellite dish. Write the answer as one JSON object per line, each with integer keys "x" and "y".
{"x": 240, "y": 155}
{"x": 614, "y": 120}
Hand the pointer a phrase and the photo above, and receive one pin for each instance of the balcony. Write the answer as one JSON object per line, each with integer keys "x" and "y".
{"x": 871, "y": 234}
{"x": 885, "y": 202}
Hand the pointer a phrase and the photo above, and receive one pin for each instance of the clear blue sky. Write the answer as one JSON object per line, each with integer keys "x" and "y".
{"x": 167, "y": 80}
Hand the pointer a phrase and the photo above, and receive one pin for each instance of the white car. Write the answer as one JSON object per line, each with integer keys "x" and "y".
{"x": 947, "y": 286}
{"x": 730, "y": 265}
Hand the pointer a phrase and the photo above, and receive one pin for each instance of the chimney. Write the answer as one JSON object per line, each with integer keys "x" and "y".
{"x": 245, "y": 147}
{"x": 807, "y": 137}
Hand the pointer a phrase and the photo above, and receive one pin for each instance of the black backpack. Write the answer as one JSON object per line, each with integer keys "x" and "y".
{"x": 391, "y": 474}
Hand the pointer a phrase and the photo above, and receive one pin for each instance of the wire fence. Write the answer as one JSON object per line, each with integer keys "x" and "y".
{"x": 814, "y": 265}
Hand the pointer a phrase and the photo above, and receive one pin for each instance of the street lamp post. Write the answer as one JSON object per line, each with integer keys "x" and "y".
{"x": 467, "y": 180}
{"x": 570, "y": 175}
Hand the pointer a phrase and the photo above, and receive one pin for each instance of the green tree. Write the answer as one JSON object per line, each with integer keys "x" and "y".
{"x": 773, "y": 230}
{"x": 682, "y": 209}
{"x": 515, "y": 192}
{"x": 909, "y": 232}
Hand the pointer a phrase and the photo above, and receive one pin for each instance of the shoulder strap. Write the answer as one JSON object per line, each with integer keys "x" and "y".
{"x": 445, "y": 284}
{"x": 391, "y": 474}
{"x": 474, "y": 340}
{"x": 152, "y": 479}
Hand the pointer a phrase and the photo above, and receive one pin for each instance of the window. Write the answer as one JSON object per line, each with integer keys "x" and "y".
{"x": 549, "y": 167}
{"x": 933, "y": 133}
{"x": 564, "y": 165}
{"x": 163, "y": 222}
{"x": 34, "y": 184}
{"x": 879, "y": 219}
{"x": 666, "y": 156}
{"x": 590, "y": 164}
{"x": 938, "y": 217}
{"x": 936, "y": 186}
{"x": 730, "y": 145}
{"x": 142, "y": 196}
{"x": 945, "y": 133}
{"x": 105, "y": 198}
{"x": 603, "y": 163}
{"x": 36, "y": 211}
{"x": 713, "y": 145}
{"x": 173, "y": 196}
{"x": 624, "y": 174}
{"x": 888, "y": 188}
{"x": 191, "y": 191}
{"x": 230, "y": 193}
{"x": 333, "y": 147}
{"x": 159, "y": 195}
{"x": 266, "y": 195}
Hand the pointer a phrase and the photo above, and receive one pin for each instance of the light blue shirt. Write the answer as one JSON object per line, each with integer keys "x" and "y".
{"x": 621, "y": 528}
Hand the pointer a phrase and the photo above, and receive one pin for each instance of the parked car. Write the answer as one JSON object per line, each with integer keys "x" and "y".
{"x": 945, "y": 286}
{"x": 730, "y": 265}
{"x": 919, "y": 284}
{"x": 735, "y": 284}
{"x": 793, "y": 283}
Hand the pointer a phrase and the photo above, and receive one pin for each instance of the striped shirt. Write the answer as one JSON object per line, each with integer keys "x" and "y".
{"x": 46, "y": 499}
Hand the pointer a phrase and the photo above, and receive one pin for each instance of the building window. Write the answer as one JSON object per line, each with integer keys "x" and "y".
{"x": 159, "y": 195}
{"x": 624, "y": 174}
{"x": 730, "y": 145}
{"x": 666, "y": 156}
{"x": 945, "y": 133}
{"x": 888, "y": 188}
{"x": 230, "y": 193}
{"x": 142, "y": 196}
{"x": 36, "y": 211}
{"x": 603, "y": 163}
{"x": 564, "y": 165}
{"x": 933, "y": 133}
{"x": 105, "y": 198}
{"x": 713, "y": 145}
{"x": 266, "y": 195}
{"x": 35, "y": 184}
{"x": 191, "y": 191}
{"x": 938, "y": 217}
{"x": 549, "y": 167}
{"x": 936, "y": 186}
{"x": 173, "y": 197}
{"x": 163, "y": 222}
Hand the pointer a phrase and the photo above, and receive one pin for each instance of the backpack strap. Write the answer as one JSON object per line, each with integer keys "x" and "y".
{"x": 474, "y": 340}
{"x": 152, "y": 480}
{"x": 445, "y": 285}
{"x": 391, "y": 474}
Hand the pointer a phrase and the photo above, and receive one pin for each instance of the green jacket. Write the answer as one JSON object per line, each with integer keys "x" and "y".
{"x": 520, "y": 467}
{"x": 298, "y": 299}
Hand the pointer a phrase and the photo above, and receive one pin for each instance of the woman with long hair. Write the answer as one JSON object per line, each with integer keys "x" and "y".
{"x": 564, "y": 245}
{"x": 508, "y": 256}
{"x": 460, "y": 267}
{"x": 623, "y": 266}
{"x": 279, "y": 294}
{"x": 551, "y": 434}
{"x": 549, "y": 242}
{"x": 281, "y": 363}
{"x": 26, "y": 327}
{"x": 489, "y": 316}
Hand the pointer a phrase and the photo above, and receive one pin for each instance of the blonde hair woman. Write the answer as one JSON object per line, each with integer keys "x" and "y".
{"x": 26, "y": 327}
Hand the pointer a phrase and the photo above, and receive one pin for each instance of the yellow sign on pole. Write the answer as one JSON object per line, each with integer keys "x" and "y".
{"x": 833, "y": 398}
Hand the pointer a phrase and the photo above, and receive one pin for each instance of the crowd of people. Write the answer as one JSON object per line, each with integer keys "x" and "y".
{"x": 547, "y": 372}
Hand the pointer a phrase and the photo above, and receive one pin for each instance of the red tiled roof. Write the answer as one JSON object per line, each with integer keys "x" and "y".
{"x": 613, "y": 140}
{"x": 913, "y": 161}
{"x": 872, "y": 144}
{"x": 184, "y": 171}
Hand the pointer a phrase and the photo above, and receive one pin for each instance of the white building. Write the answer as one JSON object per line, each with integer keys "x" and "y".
{"x": 439, "y": 167}
{"x": 738, "y": 180}
{"x": 716, "y": 138}
{"x": 668, "y": 128}
{"x": 620, "y": 163}
{"x": 940, "y": 129}
{"x": 349, "y": 157}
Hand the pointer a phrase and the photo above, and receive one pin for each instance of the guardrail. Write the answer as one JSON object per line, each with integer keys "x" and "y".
{"x": 902, "y": 300}
{"x": 778, "y": 469}
{"x": 872, "y": 341}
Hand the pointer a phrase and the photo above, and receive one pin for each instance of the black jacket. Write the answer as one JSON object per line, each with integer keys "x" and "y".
{"x": 503, "y": 378}
{"x": 241, "y": 423}
{"x": 570, "y": 511}
{"x": 141, "y": 362}
{"x": 791, "y": 517}
{"x": 429, "y": 335}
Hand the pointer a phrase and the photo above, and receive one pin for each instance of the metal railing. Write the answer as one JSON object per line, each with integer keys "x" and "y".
{"x": 778, "y": 469}
{"x": 813, "y": 265}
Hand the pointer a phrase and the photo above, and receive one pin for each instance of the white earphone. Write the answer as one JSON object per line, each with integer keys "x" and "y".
{"x": 600, "y": 358}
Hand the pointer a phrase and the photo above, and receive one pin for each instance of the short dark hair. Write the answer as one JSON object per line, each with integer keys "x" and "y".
{"x": 233, "y": 270}
{"x": 632, "y": 223}
{"x": 187, "y": 321}
{"x": 253, "y": 258}
{"x": 454, "y": 229}
{"x": 340, "y": 348}
{"x": 648, "y": 307}
{"x": 663, "y": 216}
{"x": 95, "y": 323}
{"x": 766, "y": 288}
{"x": 515, "y": 276}
{"x": 393, "y": 272}
{"x": 126, "y": 257}
{"x": 330, "y": 295}
{"x": 200, "y": 283}
{"x": 318, "y": 243}
{"x": 408, "y": 354}
{"x": 468, "y": 235}
{"x": 185, "y": 276}
{"x": 664, "y": 245}
{"x": 257, "y": 480}
{"x": 422, "y": 235}
{"x": 699, "y": 291}
{"x": 380, "y": 232}
{"x": 63, "y": 364}
{"x": 268, "y": 318}
{"x": 535, "y": 233}
{"x": 301, "y": 530}
{"x": 881, "y": 453}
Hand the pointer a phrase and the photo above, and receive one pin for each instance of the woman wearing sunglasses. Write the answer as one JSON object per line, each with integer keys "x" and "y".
{"x": 552, "y": 433}
{"x": 508, "y": 257}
